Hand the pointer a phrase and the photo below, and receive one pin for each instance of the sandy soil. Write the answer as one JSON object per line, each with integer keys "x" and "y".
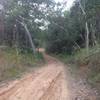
{"x": 47, "y": 83}
{"x": 51, "y": 82}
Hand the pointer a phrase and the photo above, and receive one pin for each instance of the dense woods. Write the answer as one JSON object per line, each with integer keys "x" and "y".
{"x": 21, "y": 21}
{"x": 26, "y": 24}
{"x": 78, "y": 28}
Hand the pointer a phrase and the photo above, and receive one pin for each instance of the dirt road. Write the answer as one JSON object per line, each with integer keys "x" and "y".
{"x": 47, "y": 83}
{"x": 51, "y": 82}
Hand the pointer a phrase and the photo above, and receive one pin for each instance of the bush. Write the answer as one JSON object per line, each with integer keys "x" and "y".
{"x": 90, "y": 62}
{"x": 13, "y": 64}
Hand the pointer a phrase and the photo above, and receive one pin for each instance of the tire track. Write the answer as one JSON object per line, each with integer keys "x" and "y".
{"x": 47, "y": 82}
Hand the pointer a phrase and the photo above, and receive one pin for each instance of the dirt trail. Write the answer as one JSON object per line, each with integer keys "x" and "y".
{"x": 47, "y": 83}
{"x": 51, "y": 82}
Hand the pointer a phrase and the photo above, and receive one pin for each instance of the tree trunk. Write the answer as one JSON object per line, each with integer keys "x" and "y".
{"x": 29, "y": 36}
{"x": 93, "y": 37}
{"x": 86, "y": 26}
{"x": 87, "y": 37}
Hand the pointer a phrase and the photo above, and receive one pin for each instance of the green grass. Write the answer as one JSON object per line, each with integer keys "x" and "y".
{"x": 13, "y": 65}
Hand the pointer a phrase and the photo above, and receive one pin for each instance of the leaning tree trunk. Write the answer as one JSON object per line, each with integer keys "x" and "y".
{"x": 29, "y": 36}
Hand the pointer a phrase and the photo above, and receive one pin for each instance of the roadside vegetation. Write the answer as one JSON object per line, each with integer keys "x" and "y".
{"x": 85, "y": 66}
{"x": 13, "y": 65}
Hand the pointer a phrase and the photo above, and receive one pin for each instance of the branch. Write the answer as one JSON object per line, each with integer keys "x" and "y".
{"x": 29, "y": 35}
{"x": 20, "y": 22}
{"x": 82, "y": 7}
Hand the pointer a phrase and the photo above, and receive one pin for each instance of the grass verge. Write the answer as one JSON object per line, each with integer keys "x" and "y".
{"x": 85, "y": 64}
{"x": 13, "y": 65}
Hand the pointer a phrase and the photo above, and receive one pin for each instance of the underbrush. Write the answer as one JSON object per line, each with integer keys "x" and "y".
{"x": 13, "y": 64}
{"x": 87, "y": 64}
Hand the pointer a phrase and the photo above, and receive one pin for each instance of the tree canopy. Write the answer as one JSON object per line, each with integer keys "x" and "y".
{"x": 47, "y": 22}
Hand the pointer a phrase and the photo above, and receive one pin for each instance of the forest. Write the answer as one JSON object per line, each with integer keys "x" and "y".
{"x": 72, "y": 36}
{"x": 77, "y": 28}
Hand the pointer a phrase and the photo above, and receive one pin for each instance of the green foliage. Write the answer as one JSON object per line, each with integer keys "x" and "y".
{"x": 67, "y": 32}
{"x": 87, "y": 64}
{"x": 59, "y": 37}
{"x": 26, "y": 11}
{"x": 91, "y": 63}
{"x": 13, "y": 65}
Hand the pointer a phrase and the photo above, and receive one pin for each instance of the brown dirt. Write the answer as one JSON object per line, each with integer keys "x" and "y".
{"x": 51, "y": 82}
{"x": 47, "y": 83}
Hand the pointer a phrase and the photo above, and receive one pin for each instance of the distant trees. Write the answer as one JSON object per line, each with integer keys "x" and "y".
{"x": 64, "y": 32}
{"x": 78, "y": 28}
{"x": 19, "y": 18}
{"x": 46, "y": 22}
{"x": 1, "y": 22}
{"x": 59, "y": 38}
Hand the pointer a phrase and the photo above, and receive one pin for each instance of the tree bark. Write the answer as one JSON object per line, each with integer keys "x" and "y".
{"x": 87, "y": 37}
{"x": 29, "y": 36}
{"x": 93, "y": 37}
{"x": 86, "y": 26}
